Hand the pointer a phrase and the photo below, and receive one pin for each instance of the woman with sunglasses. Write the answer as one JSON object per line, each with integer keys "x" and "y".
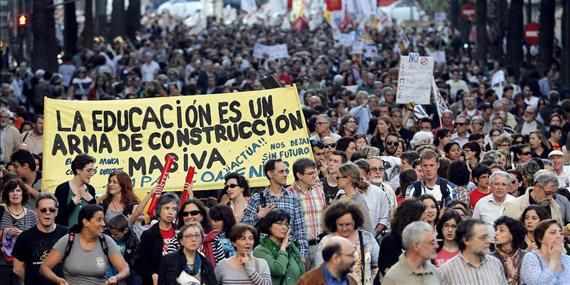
{"x": 187, "y": 265}
{"x": 351, "y": 186}
{"x": 236, "y": 189}
{"x": 522, "y": 154}
{"x": 193, "y": 210}
{"x": 15, "y": 219}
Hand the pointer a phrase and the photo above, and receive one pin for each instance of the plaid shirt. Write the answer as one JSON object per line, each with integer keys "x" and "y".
{"x": 288, "y": 202}
{"x": 313, "y": 204}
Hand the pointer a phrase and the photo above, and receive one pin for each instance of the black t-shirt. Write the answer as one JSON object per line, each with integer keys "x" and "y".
{"x": 32, "y": 247}
{"x": 330, "y": 191}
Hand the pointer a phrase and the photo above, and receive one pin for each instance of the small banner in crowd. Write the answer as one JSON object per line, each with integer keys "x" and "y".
{"x": 274, "y": 51}
{"x": 415, "y": 79}
{"x": 217, "y": 134}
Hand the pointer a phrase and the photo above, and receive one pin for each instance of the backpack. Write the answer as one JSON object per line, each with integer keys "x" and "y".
{"x": 70, "y": 245}
{"x": 442, "y": 186}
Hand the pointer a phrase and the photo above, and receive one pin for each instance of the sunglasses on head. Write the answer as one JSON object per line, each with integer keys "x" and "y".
{"x": 45, "y": 210}
{"x": 226, "y": 187}
{"x": 191, "y": 213}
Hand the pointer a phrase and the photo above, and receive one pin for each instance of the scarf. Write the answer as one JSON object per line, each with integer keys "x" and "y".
{"x": 207, "y": 247}
{"x": 195, "y": 269}
{"x": 292, "y": 250}
{"x": 513, "y": 258}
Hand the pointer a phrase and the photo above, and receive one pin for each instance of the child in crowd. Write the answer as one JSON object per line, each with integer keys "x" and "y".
{"x": 128, "y": 242}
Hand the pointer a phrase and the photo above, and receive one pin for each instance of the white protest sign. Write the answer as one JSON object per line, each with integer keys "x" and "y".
{"x": 438, "y": 56}
{"x": 347, "y": 39}
{"x": 415, "y": 79}
{"x": 274, "y": 51}
{"x": 370, "y": 51}
{"x": 358, "y": 47}
{"x": 439, "y": 17}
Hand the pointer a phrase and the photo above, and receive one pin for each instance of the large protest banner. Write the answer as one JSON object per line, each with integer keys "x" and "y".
{"x": 414, "y": 80}
{"x": 218, "y": 134}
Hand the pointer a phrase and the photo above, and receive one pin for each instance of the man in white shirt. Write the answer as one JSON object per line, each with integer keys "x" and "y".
{"x": 456, "y": 84}
{"x": 491, "y": 207}
{"x": 149, "y": 68}
{"x": 529, "y": 98}
{"x": 530, "y": 123}
{"x": 322, "y": 129}
{"x": 563, "y": 172}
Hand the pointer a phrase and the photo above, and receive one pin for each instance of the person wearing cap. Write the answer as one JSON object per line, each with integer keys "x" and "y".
{"x": 563, "y": 172}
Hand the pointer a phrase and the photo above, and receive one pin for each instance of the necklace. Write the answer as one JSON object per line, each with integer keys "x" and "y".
{"x": 14, "y": 214}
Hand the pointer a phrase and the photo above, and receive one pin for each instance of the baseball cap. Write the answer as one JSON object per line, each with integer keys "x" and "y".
{"x": 555, "y": 153}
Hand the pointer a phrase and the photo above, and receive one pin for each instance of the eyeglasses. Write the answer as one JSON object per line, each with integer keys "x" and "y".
{"x": 376, "y": 169}
{"x": 191, "y": 213}
{"x": 283, "y": 171}
{"x": 347, "y": 254}
{"x": 394, "y": 143}
{"x": 91, "y": 170}
{"x": 525, "y": 153}
{"x": 230, "y": 186}
{"x": 45, "y": 210}
{"x": 330, "y": 145}
{"x": 321, "y": 123}
{"x": 460, "y": 124}
{"x": 282, "y": 223}
{"x": 191, "y": 237}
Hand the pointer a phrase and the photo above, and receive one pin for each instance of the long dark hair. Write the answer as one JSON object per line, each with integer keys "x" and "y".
{"x": 225, "y": 214}
{"x": 203, "y": 211}
{"x": 86, "y": 213}
{"x": 409, "y": 211}
{"x": 448, "y": 215}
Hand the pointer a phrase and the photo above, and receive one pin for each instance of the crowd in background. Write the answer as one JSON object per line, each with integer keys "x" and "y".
{"x": 474, "y": 194}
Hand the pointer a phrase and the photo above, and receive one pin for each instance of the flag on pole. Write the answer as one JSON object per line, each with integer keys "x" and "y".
{"x": 439, "y": 101}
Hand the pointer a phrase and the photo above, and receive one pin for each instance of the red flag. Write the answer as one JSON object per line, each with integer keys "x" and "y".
{"x": 300, "y": 25}
{"x": 161, "y": 183}
{"x": 334, "y": 5}
{"x": 189, "y": 178}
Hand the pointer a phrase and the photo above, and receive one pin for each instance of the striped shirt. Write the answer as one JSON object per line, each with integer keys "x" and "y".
{"x": 313, "y": 203}
{"x": 287, "y": 202}
{"x": 459, "y": 271}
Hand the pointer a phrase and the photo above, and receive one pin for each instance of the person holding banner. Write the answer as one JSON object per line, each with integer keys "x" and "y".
{"x": 159, "y": 240}
{"x": 76, "y": 193}
{"x": 120, "y": 198}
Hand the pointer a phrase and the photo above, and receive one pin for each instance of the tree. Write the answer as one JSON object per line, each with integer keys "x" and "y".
{"x": 134, "y": 16}
{"x": 44, "y": 53}
{"x": 88, "y": 33}
{"x": 546, "y": 34}
{"x": 101, "y": 18}
{"x": 497, "y": 26}
{"x": 565, "y": 68}
{"x": 118, "y": 20}
{"x": 482, "y": 41}
{"x": 70, "y": 30}
{"x": 454, "y": 13}
{"x": 515, "y": 37}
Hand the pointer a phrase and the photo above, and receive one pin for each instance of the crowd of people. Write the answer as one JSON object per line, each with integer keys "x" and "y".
{"x": 476, "y": 194}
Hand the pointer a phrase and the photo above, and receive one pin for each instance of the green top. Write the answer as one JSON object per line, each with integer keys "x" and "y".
{"x": 286, "y": 266}
{"x": 73, "y": 216}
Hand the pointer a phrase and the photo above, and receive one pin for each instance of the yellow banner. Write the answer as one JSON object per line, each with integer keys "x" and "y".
{"x": 218, "y": 134}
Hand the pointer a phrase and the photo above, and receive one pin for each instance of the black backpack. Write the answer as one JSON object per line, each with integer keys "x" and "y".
{"x": 442, "y": 185}
{"x": 70, "y": 245}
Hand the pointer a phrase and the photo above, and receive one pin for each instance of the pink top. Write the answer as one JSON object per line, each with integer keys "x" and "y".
{"x": 443, "y": 256}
